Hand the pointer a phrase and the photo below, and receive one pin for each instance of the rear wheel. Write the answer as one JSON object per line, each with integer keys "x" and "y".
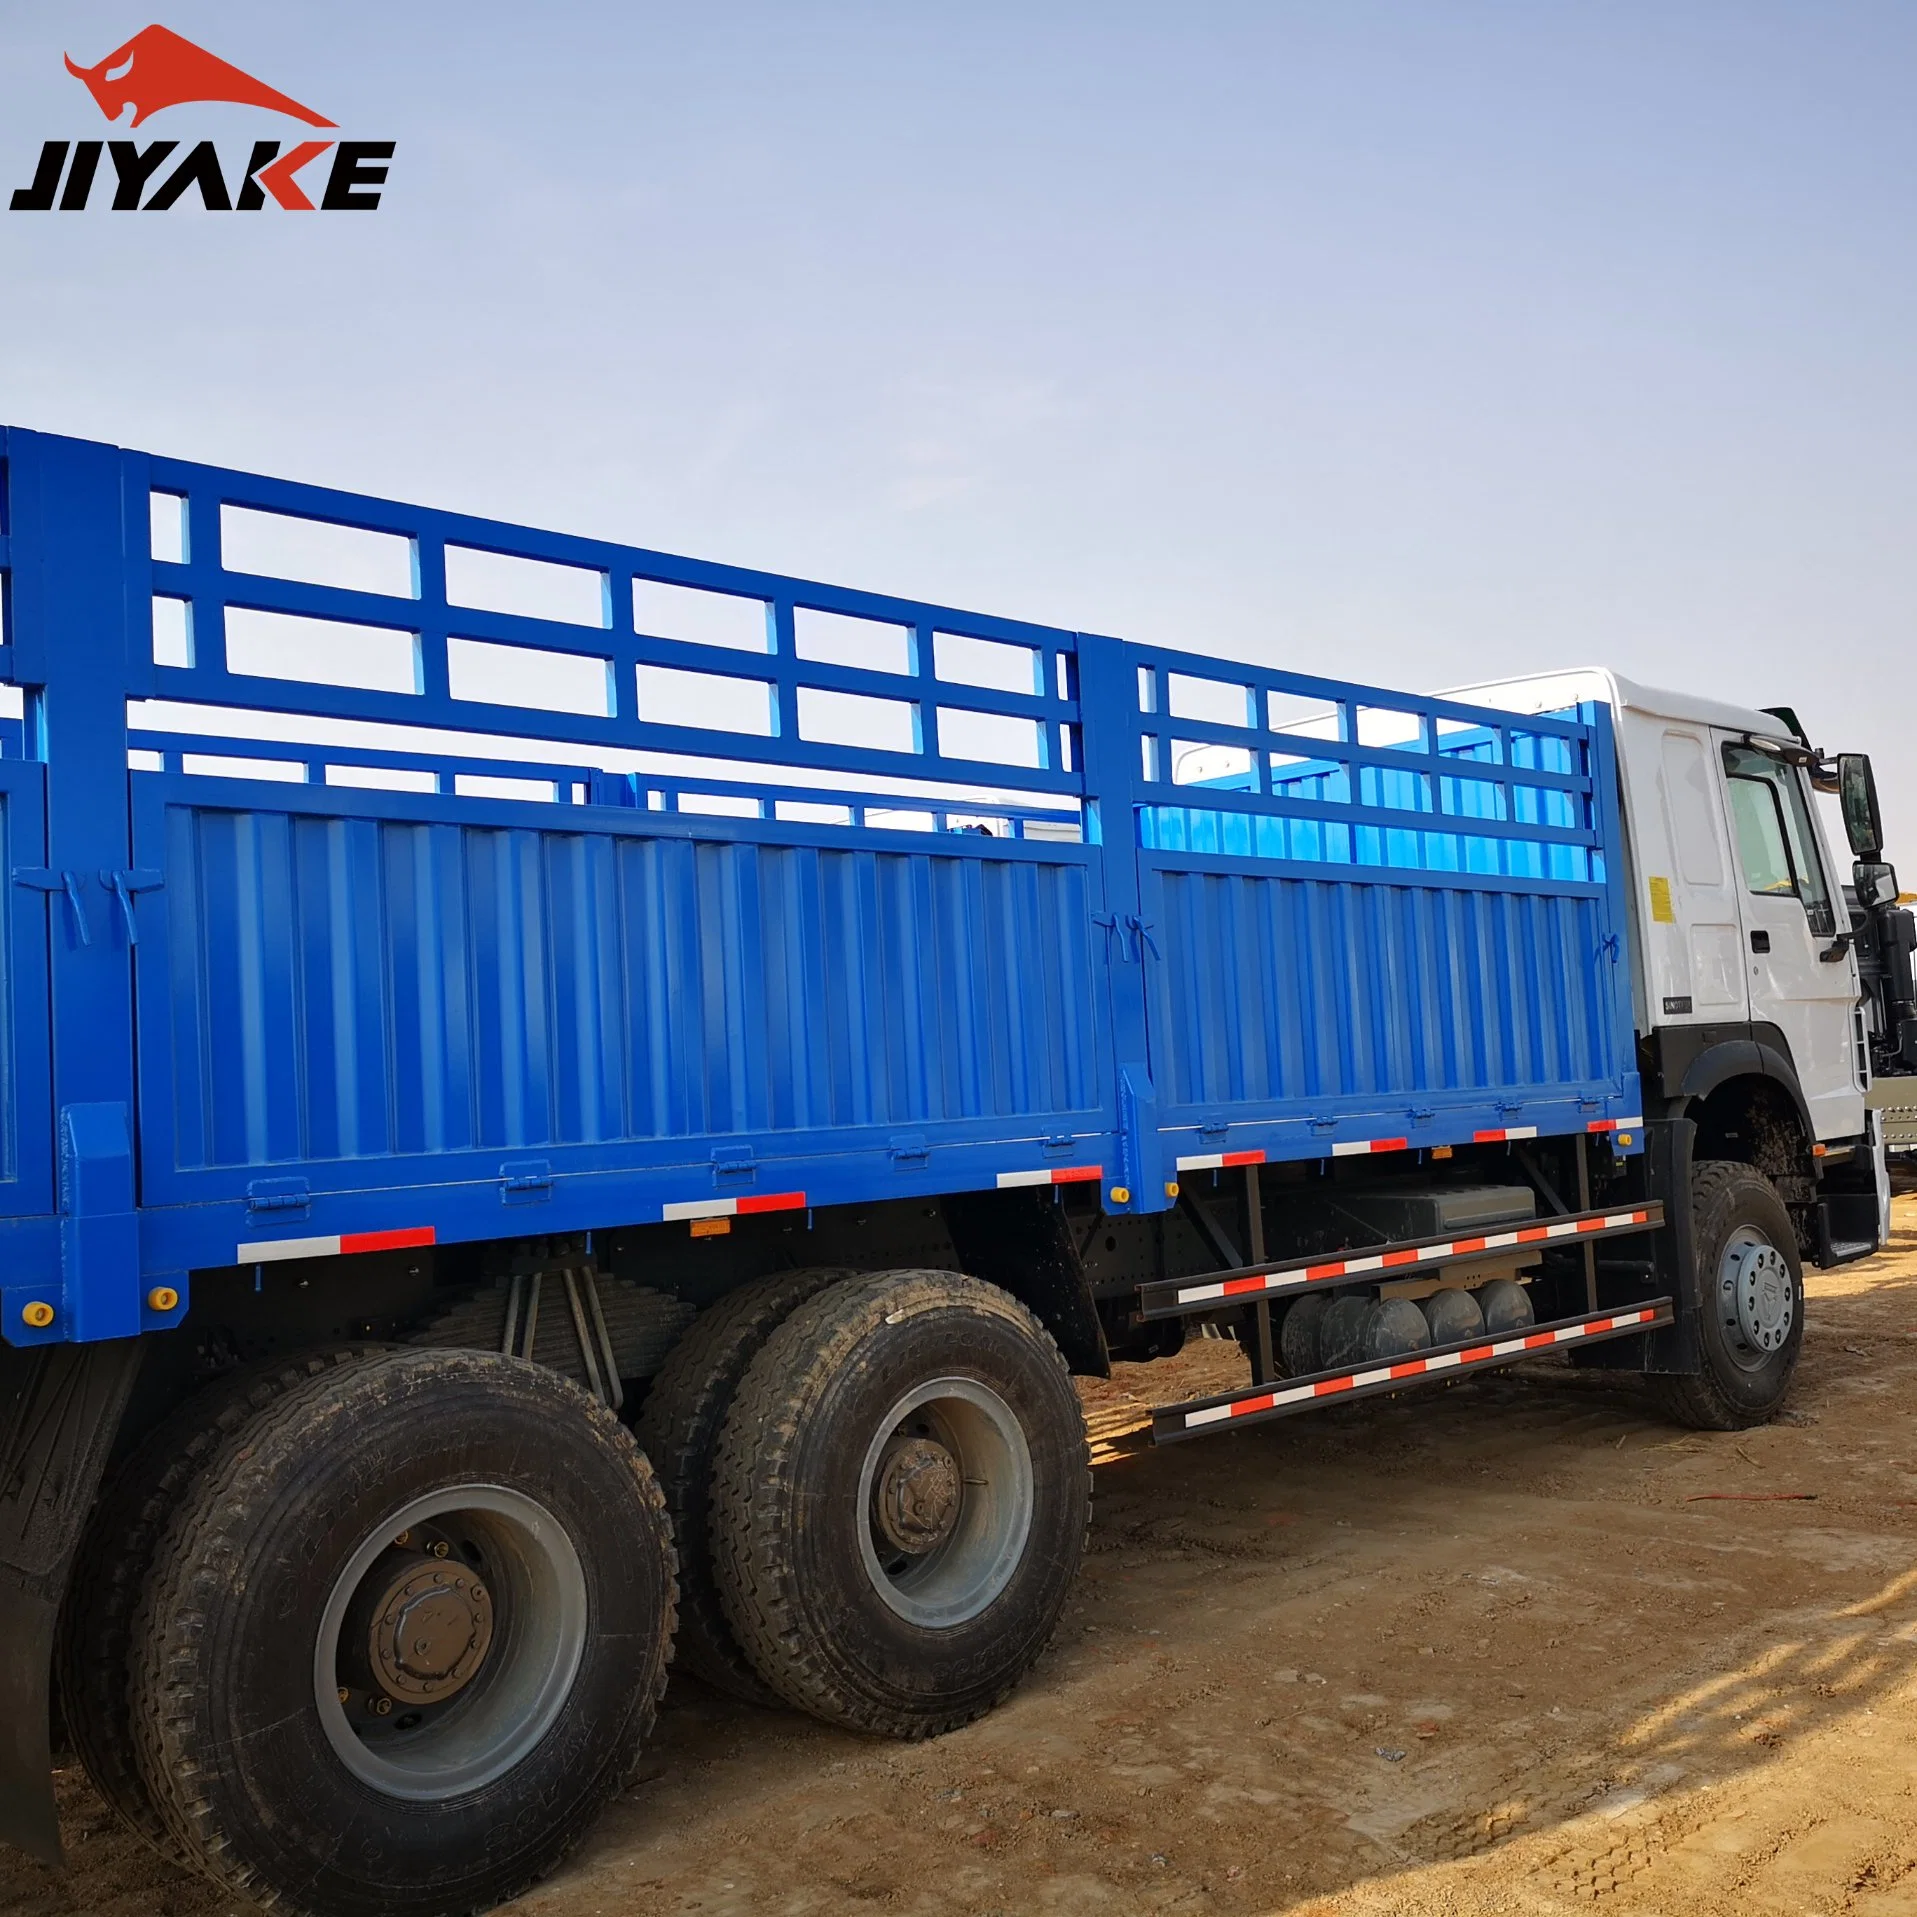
{"x": 679, "y": 1429}
{"x": 402, "y": 1639}
{"x": 96, "y": 1623}
{"x": 1750, "y": 1321}
{"x": 901, "y": 1502}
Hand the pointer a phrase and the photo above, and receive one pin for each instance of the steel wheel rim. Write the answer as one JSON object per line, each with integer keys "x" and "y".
{"x": 534, "y": 1591}
{"x": 956, "y": 1579}
{"x": 1756, "y": 1297}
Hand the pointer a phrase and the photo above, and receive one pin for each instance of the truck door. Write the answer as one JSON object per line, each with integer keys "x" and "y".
{"x": 1695, "y": 942}
{"x": 1790, "y": 924}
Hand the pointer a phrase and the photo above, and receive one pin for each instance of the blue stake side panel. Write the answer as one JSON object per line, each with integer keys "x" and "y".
{"x": 1390, "y": 922}
{"x": 371, "y": 880}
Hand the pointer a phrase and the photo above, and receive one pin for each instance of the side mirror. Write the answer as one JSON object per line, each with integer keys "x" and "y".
{"x": 1857, "y": 794}
{"x": 1876, "y": 884}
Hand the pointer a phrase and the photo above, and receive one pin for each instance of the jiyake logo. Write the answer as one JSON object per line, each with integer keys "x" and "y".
{"x": 158, "y": 69}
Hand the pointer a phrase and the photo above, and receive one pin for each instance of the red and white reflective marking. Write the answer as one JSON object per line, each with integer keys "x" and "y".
{"x": 1504, "y": 1132}
{"x": 1220, "y": 1161}
{"x": 1358, "y": 1146}
{"x": 736, "y": 1207}
{"x": 341, "y": 1244}
{"x": 1615, "y": 1125}
{"x": 1487, "y": 1353}
{"x": 1058, "y": 1175}
{"x": 1336, "y": 1269}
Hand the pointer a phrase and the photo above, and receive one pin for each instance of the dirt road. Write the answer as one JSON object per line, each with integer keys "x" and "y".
{"x": 1505, "y": 1648}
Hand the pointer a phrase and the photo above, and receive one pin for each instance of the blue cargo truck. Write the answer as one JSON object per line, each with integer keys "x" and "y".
{"x": 559, "y": 1102}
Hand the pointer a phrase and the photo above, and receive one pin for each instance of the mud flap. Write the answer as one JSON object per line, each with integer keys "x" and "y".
{"x": 1675, "y": 1350}
{"x": 60, "y": 1406}
{"x": 1020, "y": 1241}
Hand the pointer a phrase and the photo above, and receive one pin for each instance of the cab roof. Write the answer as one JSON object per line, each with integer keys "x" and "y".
{"x": 1550, "y": 691}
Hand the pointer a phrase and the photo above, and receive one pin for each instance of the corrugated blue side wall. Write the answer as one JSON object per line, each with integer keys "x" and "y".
{"x": 1278, "y": 989}
{"x": 349, "y": 988}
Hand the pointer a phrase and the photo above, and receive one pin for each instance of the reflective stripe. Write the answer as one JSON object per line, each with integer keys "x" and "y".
{"x": 1361, "y": 1145}
{"x": 1416, "y": 1367}
{"x": 1614, "y": 1125}
{"x": 270, "y": 1250}
{"x": 1062, "y": 1175}
{"x": 1508, "y": 1131}
{"x": 1343, "y": 1268}
{"x": 1218, "y": 1161}
{"x": 735, "y": 1207}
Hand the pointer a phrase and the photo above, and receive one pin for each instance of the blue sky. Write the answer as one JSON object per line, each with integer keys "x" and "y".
{"x": 1418, "y": 343}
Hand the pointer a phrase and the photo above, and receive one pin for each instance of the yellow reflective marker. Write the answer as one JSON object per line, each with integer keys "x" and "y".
{"x": 39, "y": 1314}
{"x": 1662, "y": 909}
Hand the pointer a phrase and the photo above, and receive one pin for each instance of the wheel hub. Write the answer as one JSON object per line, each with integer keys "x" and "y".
{"x": 1760, "y": 1284}
{"x": 431, "y": 1630}
{"x": 916, "y": 1495}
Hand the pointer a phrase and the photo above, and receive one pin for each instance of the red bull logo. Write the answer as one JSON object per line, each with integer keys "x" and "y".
{"x": 158, "y": 70}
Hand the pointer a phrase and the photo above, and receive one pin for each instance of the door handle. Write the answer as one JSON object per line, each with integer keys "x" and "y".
{"x": 1760, "y": 941}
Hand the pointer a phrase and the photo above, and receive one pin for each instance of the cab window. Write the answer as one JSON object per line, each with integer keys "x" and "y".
{"x": 1775, "y": 845}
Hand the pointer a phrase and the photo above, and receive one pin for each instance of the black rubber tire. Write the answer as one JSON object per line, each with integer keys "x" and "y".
{"x": 94, "y": 1645}
{"x": 643, "y": 1326}
{"x": 231, "y": 1746}
{"x": 679, "y": 1430}
{"x": 788, "y": 1524}
{"x": 1726, "y": 1395}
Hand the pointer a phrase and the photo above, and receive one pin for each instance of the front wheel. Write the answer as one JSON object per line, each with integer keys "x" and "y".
{"x": 901, "y": 1499}
{"x": 403, "y": 1638}
{"x": 1750, "y": 1320}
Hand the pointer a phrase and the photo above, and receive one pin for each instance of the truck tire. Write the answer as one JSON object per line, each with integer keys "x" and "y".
{"x": 901, "y": 1501}
{"x": 403, "y": 1637}
{"x": 1750, "y": 1322}
{"x": 679, "y": 1430}
{"x": 642, "y": 1326}
{"x": 95, "y": 1639}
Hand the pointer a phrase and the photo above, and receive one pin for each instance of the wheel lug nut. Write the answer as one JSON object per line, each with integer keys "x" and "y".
{"x": 404, "y": 1538}
{"x": 345, "y": 1696}
{"x": 382, "y": 1707}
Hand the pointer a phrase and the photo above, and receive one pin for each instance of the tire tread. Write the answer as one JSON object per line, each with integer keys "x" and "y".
{"x": 752, "y": 1548}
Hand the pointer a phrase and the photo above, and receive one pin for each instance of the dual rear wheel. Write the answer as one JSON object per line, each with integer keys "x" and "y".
{"x": 382, "y": 1630}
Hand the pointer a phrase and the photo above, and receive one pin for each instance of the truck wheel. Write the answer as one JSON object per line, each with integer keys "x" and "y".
{"x": 1750, "y": 1322}
{"x": 901, "y": 1501}
{"x": 403, "y": 1637}
{"x": 679, "y": 1428}
{"x": 95, "y": 1638}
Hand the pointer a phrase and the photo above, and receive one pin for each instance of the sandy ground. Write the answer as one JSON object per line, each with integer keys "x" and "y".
{"x": 1504, "y": 1647}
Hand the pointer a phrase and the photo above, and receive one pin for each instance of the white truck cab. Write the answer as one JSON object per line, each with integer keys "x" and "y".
{"x": 1736, "y": 901}
{"x": 1754, "y": 1016}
